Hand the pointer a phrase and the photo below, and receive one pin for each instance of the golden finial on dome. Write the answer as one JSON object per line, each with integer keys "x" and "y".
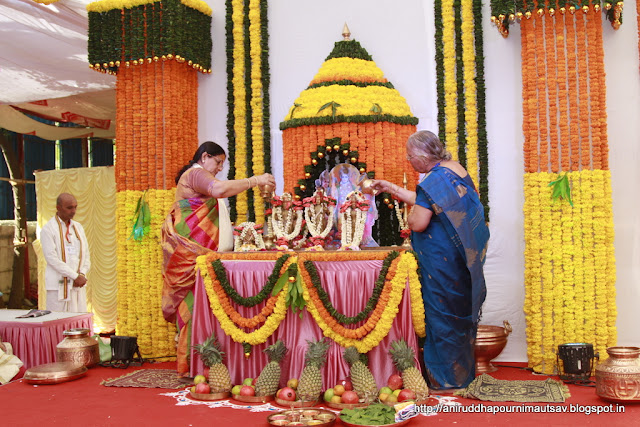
{"x": 346, "y": 33}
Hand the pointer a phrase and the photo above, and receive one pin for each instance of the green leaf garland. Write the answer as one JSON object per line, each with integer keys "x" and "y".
{"x": 460, "y": 97}
{"x": 152, "y": 30}
{"x": 231, "y": 119}
{"x": 483, "y": 142}
{"x": 371, "y": 303}
{"x": 265, "y": 292}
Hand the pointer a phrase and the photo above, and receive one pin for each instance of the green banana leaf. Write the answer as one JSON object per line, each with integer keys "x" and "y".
{"x": 141, "y": 219}
{"x": 561, "y": 189}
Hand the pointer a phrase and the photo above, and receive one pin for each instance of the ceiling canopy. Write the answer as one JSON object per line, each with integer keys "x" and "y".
{"x": 44, "y": 70}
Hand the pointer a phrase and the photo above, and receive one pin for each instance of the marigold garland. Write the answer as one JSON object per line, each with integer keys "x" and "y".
{"x": 569, "y": 261}
{"x": 139, "y": 274}
{"x": 258, "y": 336}
{"x": 248, "y": 128}
{"x": 377, "y": 327}
{"x": 504, "y": 12}
{"x": 148, "y": 128}
{"x": 312, "y": 274}
{"x": 403, "y": 268}
{"x": 460, "y": 87}
{"x": 265, "y": 292}
{"x": 225, "y": 293}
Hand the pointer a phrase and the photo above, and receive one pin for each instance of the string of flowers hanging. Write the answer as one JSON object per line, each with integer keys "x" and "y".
{"x": 460, "y": 88}
{"x": 155, "y": 48}
{"x": 568, "y": 220}
{"x": 248, "y": 131}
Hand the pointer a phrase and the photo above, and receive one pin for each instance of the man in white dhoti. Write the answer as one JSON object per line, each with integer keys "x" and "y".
{"x": 66, "y": 251}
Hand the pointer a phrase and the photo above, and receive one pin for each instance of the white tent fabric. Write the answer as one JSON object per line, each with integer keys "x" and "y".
{"x": 15, "y": 121}
{"x": 44, "y": 69}
{"x": 43, "y": 51}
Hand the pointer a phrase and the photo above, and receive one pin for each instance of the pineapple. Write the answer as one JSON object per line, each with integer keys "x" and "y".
{"x": 310, "y": 384}
{"x": 403, "y": 358}
{"x": 269, "y": 379}
{"x": 211, "y": 355}
{"x": 363, "y": 382}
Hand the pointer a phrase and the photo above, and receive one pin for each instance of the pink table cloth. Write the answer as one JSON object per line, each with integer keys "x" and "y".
{"x": 349, "y": 285}
{"x": 34, "y": 339}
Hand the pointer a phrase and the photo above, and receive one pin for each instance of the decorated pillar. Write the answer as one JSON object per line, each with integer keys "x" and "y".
{"x": 570, "y": 270}
{"x": 155, "y": 49}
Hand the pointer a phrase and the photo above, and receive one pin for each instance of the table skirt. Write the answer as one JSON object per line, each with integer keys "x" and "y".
{"x": 349, "y": 285}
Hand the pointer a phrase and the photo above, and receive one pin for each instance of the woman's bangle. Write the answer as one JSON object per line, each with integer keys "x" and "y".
{"x": 248, "y": 183}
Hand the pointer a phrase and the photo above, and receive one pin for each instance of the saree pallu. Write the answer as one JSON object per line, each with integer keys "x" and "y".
{"x": 191, "y": 229}
{"x": 451, "y": 254}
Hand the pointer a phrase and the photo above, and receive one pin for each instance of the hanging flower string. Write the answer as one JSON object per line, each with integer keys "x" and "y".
{"x": 290, "y": 272}
{"x": 255, "y": 337}
{"x": 569, "y": 262}
{"x": 379, "y": 323}
{"x": 312, "y": 273}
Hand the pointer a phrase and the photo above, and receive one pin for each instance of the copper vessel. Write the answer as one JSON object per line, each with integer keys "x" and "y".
{"x": 490, "y": 341}
{"x": 77, "y": 346}
{"x": 54, "y": 373}
{"x": 618, "y": 377}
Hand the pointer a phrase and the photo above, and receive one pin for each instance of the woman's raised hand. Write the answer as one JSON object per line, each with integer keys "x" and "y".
{"x": 381, "y": 186}
{"x": 265, "y": 179}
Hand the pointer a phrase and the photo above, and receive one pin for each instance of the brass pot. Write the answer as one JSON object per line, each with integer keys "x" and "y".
{"x": 77, "y": 346}
{"x": 618, "y": 377}
{"x": 490, "y": 341}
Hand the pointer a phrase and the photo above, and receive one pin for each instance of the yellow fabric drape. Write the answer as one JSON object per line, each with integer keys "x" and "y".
{"x": 95, "y": 191}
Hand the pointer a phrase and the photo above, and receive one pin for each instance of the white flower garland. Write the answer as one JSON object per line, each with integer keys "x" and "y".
{"x": 403, "y": 224}
{"x": 248, "y": 227}
{"x": 316, "y": 219}
{"x": 349, "y": 240}
{"x": 278, "y": 226}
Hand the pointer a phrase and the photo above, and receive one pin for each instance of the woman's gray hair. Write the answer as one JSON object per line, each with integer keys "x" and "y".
{"x": 427, "y": 144}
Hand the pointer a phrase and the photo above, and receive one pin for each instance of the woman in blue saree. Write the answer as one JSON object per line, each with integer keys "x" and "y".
{"x": 449, "y": 235}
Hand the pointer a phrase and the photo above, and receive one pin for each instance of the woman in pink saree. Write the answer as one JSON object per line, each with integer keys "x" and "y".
{"x": 198, "y": 223}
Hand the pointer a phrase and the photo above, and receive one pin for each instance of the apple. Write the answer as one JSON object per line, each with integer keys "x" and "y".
{"x": 287, "y": 393}
{"x": 338, "y": 390}
{"x": 193, "y": 389}
{"x": 199, "y": 379}
{"x": 236, "y": 389}
{"x": 328, "y": 395}
{"x": 203, "y": 388}
{"x": 206, "y": 371}
{"x": 391, "y": 399}
{"x": 293, "y": 383}
{"x": 346, "y": 383}
{"x": 247, "y": 381}
{"x": 396, "y": 392}
{"x": 383, "y": 397}
{"x": 406, "y": 394}
{"x": 336, "y": 399}
{"x": 385, "y": 390}
{"x": 247, "y": 391}
{"x": 349, "y": 396}
{"x": 394, "y": 382}
{"x": 253, "y": 383}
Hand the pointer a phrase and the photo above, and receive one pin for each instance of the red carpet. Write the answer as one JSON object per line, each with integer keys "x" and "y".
{"x": 84, "y": 402}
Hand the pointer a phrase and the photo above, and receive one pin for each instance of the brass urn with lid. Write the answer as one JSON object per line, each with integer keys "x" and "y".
{"x": 77, "y": 346}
